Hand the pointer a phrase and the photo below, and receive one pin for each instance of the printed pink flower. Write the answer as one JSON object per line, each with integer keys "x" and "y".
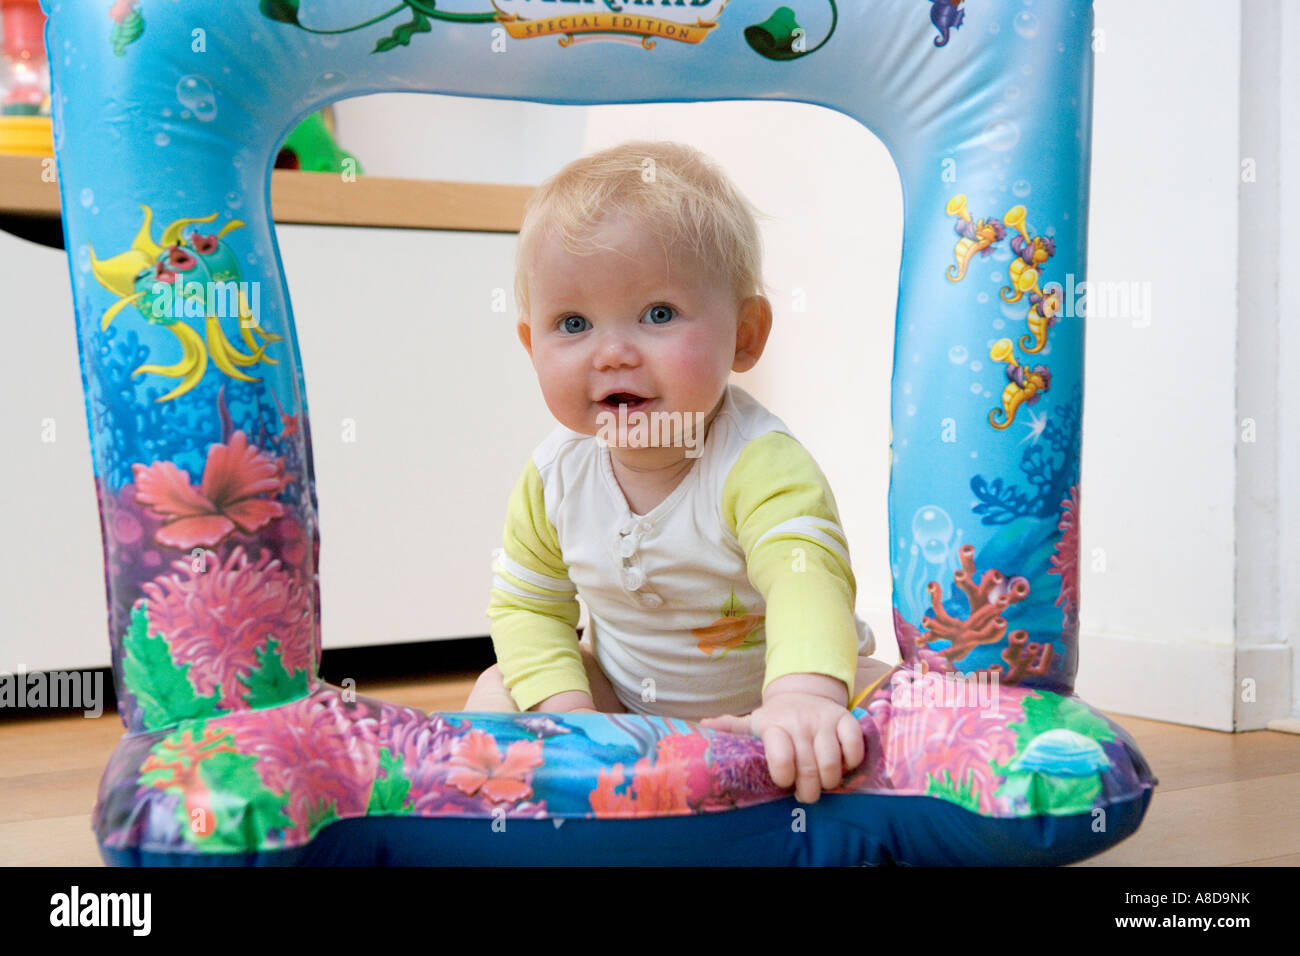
{"x": 318, "y": 752}
{"x": 233, "y": 475}
{"x": 921, "y": 741}
{"x": 477, "y": 767}
{"x": 219, "y": 618}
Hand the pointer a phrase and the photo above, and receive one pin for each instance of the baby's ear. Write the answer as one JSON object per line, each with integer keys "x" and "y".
{"x": 753, "y": 326}
{"x": 525, "y": 332}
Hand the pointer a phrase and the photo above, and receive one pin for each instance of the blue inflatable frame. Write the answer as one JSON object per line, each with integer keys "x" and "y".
{"x": 167, "y": 120}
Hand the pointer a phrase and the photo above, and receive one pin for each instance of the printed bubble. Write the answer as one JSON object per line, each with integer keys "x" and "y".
{"x": 932, "y": 530}
{"x": 1026, "y": 24}
{"x": 1001, "y": 135}
{"x": 195, "y": 94}
{"x": 1015, "y": 311}
{"x": 328, "y": 81}
{"x": 1021, "y": 188}
{"x": 234, "y": 200}
{"x": 87, "y": 198}
{"x": 957, "y": 354}
{"x": 162, "y": 139}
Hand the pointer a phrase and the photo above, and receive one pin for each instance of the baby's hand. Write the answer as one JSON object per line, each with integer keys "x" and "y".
{"x": 810, "y": 740}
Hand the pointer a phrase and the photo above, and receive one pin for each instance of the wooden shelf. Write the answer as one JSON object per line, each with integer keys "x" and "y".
{"x": 312, "y": 198}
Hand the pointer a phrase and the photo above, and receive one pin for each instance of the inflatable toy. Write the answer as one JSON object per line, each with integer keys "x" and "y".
{"x": 167, "y": 119}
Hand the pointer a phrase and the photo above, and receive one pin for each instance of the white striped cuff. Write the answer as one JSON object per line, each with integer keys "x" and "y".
{"x": 502, "y": 564}
{"x": 810, "y": 526}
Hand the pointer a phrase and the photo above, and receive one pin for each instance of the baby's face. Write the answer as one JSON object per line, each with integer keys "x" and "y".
{"x": 625, "y": 320}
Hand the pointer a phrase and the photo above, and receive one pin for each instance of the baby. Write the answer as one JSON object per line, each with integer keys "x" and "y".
{"x": 701, "y": 535}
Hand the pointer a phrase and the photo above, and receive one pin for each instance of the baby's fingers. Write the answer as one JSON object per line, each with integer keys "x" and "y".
{"x": 780, "y": 755}
{"x": 826, "y": 746}
{"x": 849, "y": 732}
{"x": 727, "y": 724}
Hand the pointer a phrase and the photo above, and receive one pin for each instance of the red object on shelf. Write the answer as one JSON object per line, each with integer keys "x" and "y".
{"x": 24, "y": 72}
{"x": 24, "y": 26}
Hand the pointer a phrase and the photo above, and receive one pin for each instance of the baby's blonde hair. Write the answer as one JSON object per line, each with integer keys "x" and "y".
{"x": 674, "y": 190}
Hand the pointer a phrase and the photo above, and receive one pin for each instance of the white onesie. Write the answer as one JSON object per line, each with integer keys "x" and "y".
{"x": 676, "y": 623}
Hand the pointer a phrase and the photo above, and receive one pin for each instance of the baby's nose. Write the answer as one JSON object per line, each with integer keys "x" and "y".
{"x": 616, "y": 347}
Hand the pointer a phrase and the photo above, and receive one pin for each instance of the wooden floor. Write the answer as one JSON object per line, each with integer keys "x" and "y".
{"x": 1223, "y": 799}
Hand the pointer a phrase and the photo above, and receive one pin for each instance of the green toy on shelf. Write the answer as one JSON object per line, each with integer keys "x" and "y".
{"x": 311, "y": 147}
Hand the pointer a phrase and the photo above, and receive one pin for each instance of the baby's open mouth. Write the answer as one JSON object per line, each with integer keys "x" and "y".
{"x": 615, "y": 399}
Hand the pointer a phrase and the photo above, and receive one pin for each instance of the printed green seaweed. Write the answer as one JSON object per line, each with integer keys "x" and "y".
{"x": 286, "y": 11}
{"x": 963, "y": 795}
{"x": 259, "y": 812}
{"x": 223, "y": 804}
{"x": 320, "y": 812}
{"x": 162, "y": 688}
{"x": 1045, "y": 710}
{"x": 269, "y": 683}
{"x": 391, "y": 785}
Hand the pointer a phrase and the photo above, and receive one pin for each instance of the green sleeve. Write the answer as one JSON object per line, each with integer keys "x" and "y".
{"x": 534, "y": 607}
{"x": 781, "y": 509}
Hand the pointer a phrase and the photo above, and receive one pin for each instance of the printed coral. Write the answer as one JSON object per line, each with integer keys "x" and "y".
{"x": 988, "y": 597}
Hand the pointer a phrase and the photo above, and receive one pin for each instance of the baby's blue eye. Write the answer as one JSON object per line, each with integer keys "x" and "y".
{"x": 566, "y": 323}
{"x": 659, "y": 314}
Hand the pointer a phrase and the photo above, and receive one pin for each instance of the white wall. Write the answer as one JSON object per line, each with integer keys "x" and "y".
{"x": 1288, "y": 211}
{"x": 1158, "y": 478}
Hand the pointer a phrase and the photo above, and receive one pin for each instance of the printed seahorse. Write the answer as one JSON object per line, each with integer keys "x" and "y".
{"x": 946, "y": 15}
{"x": 976, "y": 236}
{"x": 1042, "y": 316}
{"x": 1027, "y": 385}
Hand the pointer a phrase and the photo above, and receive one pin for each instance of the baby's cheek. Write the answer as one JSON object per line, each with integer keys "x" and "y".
{"x": 697, "y": 363}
